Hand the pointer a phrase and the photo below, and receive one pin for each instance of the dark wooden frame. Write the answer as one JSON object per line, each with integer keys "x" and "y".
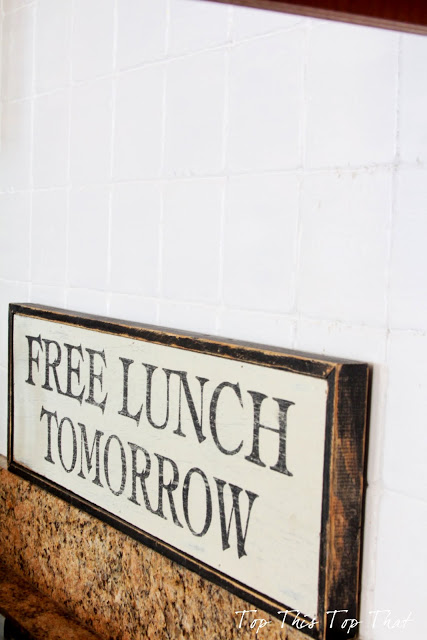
{"x": 344, "y": 460}
{"x": 409, "y": 15}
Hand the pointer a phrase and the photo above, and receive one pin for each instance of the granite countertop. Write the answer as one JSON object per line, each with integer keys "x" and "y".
{"x": 31, "y": 616}
{"x": 83, "y": 574}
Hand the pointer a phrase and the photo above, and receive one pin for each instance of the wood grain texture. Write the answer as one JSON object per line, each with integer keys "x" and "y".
{"x": 408, "y": 16}
{"x": 347, "y": 486}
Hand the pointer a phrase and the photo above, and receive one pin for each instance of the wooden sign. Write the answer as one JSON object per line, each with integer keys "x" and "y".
{"x": 243, "y": 463}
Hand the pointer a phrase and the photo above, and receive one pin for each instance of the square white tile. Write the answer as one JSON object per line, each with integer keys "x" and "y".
{"x": 408, "y": 281}
{"x": 344, "y": 251}
{"x": 191, "y": 240}
{"x": 92, "y": 39}
{"x": 135, "y": 235}
{"x": 88, "y": 238}
{"x": 53, "y": 33}
{"x": 351, "y": 95}
{"x": 51, "y": 139}
{"x": 141, "y": 32}
{"x": 91, "y": 130}
{"x": 266, "y": 103}
{"x": 260, "y": 238}
{"x": 138, "y": 127}
{"x": 49, "y": 237}
{"x": 195, "y": 93}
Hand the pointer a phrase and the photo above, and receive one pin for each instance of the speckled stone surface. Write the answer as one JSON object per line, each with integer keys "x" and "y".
{"x": 34, "y": 616}
{"x": 110, "y": 583}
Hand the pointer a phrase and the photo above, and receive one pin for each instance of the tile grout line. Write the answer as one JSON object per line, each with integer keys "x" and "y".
{"x": 303, "y": 159}
{"x": 112, "y": 145}
{"x": 225, "y": 187}
{"x": 297, "y": 170}
{"x": 69, "y": 179}
{"x": 392, "y": 219}
{"x": 32, "y": 134}
{"x": 162, "y": 168}
{"x": 167, "y": 57}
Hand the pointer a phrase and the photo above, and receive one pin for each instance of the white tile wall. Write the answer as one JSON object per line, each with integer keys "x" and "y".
{"x": 91, "y": 132}
{"x": 135, "y": 239}
{"x": 401, "y": 561}
{"x": 266, "y": 102}
{"x": 211, "y": 30}
{"x": 17, "y": 59}
{"x": 12, "y": 5}
{"x": 49, "y": 238}
{"x": 233, "y": 171}
{"x": 343, "y": 267}
{"x": 408, "y": 292}
{"x": 260, "y": 238}
{"x": 50, "y": 143}
{"x": 405, "y": 440}
{"x": 413, "y": 107}
{"x": 88, "y": 301}
{"x": 264, "y": 328}
{"x": 53, "y": 34}
{"x": 189, "y": 317}
{"x": 16, "y": 141}
{"x": 351, "y": 85}
{"x": 248, "y": 23}
{"x": 129, "y": 307}
{"x": 141, "y": 32}
{"x": 195, "y": 93}
{"x": 10, "y": 291}
{"x": 138, "y": 124}
{"x": 92, "y": 39}
{"x": 88, "y": 238}
{"x": 191, "y": 240}
{"x": 49, "y": 295}
{"x": 15, "y": 214}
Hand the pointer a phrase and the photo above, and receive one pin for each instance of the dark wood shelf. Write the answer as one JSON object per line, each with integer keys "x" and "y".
{"x": 410, "y": 15}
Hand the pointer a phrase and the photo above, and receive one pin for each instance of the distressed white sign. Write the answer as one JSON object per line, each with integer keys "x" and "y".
{"x": 221, "y": 459}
